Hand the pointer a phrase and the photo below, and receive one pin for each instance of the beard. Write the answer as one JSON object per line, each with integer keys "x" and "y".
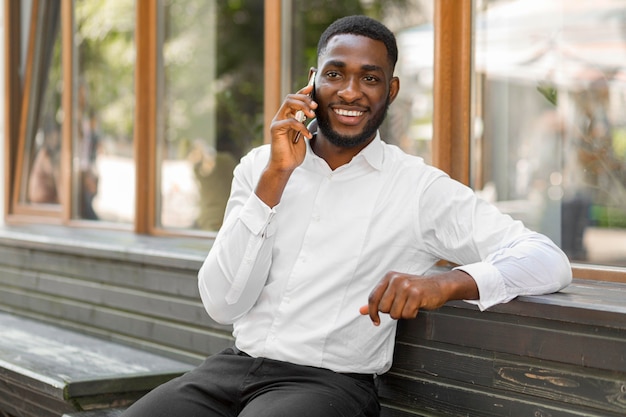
{"x": 347, "y": 141}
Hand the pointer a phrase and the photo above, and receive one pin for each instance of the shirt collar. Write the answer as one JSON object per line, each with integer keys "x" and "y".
{"x": 373, "y": 153}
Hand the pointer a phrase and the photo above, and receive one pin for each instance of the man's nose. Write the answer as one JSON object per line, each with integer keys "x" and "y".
{"x": 350, "y": 90}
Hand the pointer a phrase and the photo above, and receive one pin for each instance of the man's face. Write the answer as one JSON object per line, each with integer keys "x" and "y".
{"x": 353, "y": 89}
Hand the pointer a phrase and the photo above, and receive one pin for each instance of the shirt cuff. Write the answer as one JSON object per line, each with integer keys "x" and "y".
{"x": 490, "y": 284}
{"x": 257, "y": 216}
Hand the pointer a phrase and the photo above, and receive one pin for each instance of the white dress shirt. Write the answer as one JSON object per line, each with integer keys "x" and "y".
{"x": 291, "y": 278}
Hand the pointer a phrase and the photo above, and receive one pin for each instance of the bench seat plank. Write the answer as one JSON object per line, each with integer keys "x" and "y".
{"x": 64, "y": 368}
{"x": 111, "y": 412}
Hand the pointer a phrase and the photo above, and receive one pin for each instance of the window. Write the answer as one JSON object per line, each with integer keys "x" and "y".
{"x": 103, "y": 90}
{"x": 131, "y": 115}
{"x": 550, "y": 121}
{"x": 409, "y": 120}
{"x": 210, "y": 98}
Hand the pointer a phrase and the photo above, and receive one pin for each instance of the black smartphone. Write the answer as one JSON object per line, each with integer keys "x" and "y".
{"x": 300, "y": 114}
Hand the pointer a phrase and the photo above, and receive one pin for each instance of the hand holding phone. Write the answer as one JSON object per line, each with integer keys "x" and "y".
{"x": 300, "y": 114}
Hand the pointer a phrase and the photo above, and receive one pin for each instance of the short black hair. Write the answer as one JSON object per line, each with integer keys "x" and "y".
{"x": 363, "y": 26}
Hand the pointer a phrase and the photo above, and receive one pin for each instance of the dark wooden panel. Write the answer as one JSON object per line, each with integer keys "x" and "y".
{"x": 441, "y": 396}
{"x": 469, "y": 365}
{"x": 602, "y": 390}
{"x": 170, "y": 307}
{"x": 193, "y": 341}
{"x": 180, "y": 282}
{"x": 9, "y": 406}
{"x": 388, "y": 410}
{"x": 588, "y": 347}
{"x": 19, "y": 401}
{"x": 569, "y": 387}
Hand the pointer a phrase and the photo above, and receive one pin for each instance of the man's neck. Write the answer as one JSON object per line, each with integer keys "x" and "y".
{"x": 335, "y": 156}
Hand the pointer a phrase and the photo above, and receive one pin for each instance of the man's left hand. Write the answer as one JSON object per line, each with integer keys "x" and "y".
{"x": 403, "y": 295}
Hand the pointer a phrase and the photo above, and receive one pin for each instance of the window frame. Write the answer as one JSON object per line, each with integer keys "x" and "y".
{"x": 13, "y": 93}
{"x": 144, "y": 135}
{"x": 452, "y": 87}
{"x": 452, "y": 93}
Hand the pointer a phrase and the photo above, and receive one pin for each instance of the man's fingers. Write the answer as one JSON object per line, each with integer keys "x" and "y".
{"x": 398, "y": 304}
{"x": 374, "y": 300}
{"x": 396, "y": 296}
{"x": 298, "y": 106}
{"x": 290, "y": 127}
{"x": 374, "y": 316}
{"x": 410, "y": 310}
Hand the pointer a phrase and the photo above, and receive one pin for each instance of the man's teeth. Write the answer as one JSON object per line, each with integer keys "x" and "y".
{"x": 351, "y": 113}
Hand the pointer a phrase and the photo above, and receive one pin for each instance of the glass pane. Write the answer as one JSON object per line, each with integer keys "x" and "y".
{"x": 210, "y": 106}
{"x": 550, "y": 131}
{"x": 43, "y": 133}
{"x": 409, "y": 119}
{"x": 104, "y": 97}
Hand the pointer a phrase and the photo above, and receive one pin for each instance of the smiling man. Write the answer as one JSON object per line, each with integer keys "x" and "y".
{"x": 326, "y": 243}
{"x": 361, "y": 89}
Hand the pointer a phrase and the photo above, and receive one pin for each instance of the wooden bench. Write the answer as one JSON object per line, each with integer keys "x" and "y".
{"x": 547, "y": 356}
{"x": 556, "y": 355}
{"x": 111, "y": 412}
{"x": 48, "y": 371}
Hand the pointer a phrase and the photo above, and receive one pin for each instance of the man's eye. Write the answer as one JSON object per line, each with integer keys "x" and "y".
{"x": 332, "y": 74}
{"x": 370, "y": 79}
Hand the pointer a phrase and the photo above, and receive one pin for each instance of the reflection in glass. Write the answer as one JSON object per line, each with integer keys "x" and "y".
{"x": 409, "y": 119}
{"x": 104, "y": 171}
{"x": 43, "y": 133}
{"x": 550, "y": 109}
{"x": 210, "y": 105}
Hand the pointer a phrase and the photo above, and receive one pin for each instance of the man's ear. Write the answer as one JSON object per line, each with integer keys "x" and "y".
{"x": 394, "y": 88}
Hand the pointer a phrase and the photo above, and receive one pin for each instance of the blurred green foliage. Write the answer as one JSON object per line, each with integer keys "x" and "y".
{"x": 106, "y": 56}
{"x": 213, "y": 60}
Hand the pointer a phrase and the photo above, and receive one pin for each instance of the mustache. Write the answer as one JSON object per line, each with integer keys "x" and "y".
{"x": 334, "y": 103}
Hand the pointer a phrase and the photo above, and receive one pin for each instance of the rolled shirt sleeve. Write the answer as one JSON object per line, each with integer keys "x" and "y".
{"x": 504, "y": 258}
{"x": 527, "y": 266}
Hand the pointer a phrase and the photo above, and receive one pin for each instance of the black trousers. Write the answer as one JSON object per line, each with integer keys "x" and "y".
{"x": 232, "y": 384}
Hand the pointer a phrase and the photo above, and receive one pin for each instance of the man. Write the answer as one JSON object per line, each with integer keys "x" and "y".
{"x": 303, "y": 266}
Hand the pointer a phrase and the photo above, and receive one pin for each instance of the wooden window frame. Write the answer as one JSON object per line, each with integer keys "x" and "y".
{"x": 146, "y": 44}
{"x": 13, "y": 94}
{"x": 452, "y": 87}
{"x": 453, "y": 21}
